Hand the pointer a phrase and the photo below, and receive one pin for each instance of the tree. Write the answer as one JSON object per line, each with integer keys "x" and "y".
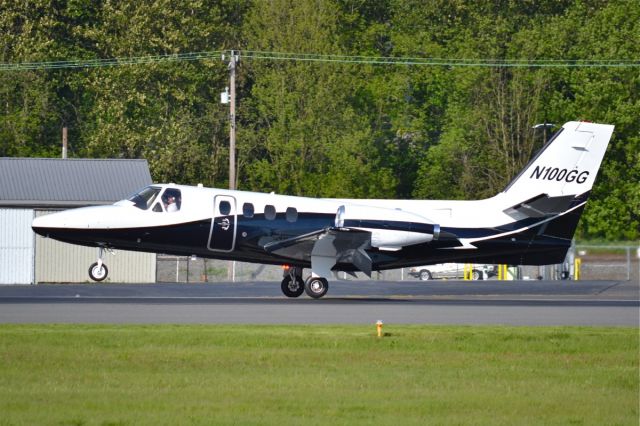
{"x": 330, "y": 129}
{"x": 308, "y": 139}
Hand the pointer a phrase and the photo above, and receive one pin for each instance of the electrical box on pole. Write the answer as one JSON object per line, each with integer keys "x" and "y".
{"x": 224, "y": 96}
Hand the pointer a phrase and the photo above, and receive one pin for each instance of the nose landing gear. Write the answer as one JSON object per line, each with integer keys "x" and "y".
{"x": 98, "y": 271}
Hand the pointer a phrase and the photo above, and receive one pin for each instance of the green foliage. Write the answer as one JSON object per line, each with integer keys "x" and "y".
{"x": 328, "y": 129}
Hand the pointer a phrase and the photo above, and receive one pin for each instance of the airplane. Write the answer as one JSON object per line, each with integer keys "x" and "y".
{"x": 531, "y": 222}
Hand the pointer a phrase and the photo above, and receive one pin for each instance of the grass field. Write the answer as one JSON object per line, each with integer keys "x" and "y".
{"x": 117, "y": 375}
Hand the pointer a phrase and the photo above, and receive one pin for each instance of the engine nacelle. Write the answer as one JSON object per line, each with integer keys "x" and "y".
{"x": 390, "y": 229}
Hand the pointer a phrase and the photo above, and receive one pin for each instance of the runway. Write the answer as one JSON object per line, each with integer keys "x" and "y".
{"x": 593, "y": 303}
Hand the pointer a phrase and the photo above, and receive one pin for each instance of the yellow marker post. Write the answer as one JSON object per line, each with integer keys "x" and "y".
{"x": 502, "y": 272}
{"x": 467, "y": 272}
{"x": 577, "y": 263}
{"x": 379, "y": 327}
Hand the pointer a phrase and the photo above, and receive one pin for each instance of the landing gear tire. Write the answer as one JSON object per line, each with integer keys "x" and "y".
{"x": 425, "y": 275}
{"x": 316, "y": 287}
{"x": 292, "y": 287}
{"x": 476, "y": 275}
{"x": 98, "y": 272}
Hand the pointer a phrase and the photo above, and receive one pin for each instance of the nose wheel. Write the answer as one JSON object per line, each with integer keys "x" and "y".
{"x": 98, "y": 271}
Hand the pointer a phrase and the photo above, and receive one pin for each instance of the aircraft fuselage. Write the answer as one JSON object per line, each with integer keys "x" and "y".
{"x": 531, "y": 222}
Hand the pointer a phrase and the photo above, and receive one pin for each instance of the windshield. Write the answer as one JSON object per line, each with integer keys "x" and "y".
{"x": 144, "y": 199}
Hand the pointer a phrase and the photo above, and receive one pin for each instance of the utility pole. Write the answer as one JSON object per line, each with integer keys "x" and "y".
{"x": 232, "y": 120}
{"x": 64, "y": 142}
{"x": 229, "y": 96}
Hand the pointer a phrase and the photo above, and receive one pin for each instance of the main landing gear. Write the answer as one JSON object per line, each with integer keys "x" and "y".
{"x": 316, "y": 287}
{"x": 293, "y": 285}
{"x": 98, "y": 271}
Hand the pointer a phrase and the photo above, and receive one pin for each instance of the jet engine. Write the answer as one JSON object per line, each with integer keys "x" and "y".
{"x": 391, "y": 229}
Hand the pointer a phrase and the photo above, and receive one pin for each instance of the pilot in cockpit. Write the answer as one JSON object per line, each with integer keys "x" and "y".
{"x": 171, "y": 205}
{"x": 171, "y": 201}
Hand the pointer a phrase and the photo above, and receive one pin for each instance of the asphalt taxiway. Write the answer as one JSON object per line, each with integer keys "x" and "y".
{"x": 600, "y": 303}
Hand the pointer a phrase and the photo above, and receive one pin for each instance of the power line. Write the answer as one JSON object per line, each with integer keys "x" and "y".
{"x": 448, "y": 62}
{"x": 312, "y": 57}
{"x": 112, "y": 62}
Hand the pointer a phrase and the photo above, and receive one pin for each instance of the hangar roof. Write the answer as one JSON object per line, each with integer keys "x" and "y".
{"x": 53, "y": 182}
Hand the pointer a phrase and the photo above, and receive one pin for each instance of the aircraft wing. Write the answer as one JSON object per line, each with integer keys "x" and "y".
{"x": 298, "y": 247}
{"x": 331, "y": 246}
{"x": 357, "y": 229}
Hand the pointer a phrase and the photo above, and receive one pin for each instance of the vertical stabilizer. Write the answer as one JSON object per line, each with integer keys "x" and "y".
{"x": 567, "y": 165}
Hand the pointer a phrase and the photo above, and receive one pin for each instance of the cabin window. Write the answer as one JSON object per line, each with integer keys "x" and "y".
{"x": 144, "y": 199}
{"x": 269, "y": 212}
{"x": 247, "y": 210}
{"x": 225, "y": 207}
{"x": 291, "y": 214}
{"x": 172, "y": 200}
{"x": 158, "y": 207}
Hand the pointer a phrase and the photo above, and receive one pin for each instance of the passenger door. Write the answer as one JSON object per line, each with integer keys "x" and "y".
{"x": 223, "y": 224}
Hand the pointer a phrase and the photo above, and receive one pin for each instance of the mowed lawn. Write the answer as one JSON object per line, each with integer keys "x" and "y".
{"x": 212, "y": 374}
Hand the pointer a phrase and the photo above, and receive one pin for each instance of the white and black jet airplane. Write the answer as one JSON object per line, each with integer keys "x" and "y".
{"x": 531, "y": 222}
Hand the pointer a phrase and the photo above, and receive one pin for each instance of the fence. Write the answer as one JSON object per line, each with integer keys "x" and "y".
{"x": 597, "y": 262}
{"x": 191, "y": 270}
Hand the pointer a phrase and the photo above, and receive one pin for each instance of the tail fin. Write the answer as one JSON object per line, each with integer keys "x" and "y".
{"x": 551, "y": 191}
{"x": 567, "y": 165}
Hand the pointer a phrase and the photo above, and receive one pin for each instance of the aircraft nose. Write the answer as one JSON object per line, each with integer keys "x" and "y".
{"x": 92, "y": 218}
{"x": 70, "y": 224}
{"x": 46, "y": 221}
{"x": 43, "y": 225}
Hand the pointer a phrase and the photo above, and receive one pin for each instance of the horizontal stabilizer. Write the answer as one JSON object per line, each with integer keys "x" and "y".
{"x": 541, "y": 206}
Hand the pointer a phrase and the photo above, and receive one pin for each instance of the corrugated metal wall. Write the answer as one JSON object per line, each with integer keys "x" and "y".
{"x": 58, "y": 262}
{"x": 16, "y": 246}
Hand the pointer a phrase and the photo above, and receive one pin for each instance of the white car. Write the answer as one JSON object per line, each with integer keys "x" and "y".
{"x": 451, "y": 271}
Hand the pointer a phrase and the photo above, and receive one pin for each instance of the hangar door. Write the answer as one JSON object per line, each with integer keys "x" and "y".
{"x": 16, "y": 246}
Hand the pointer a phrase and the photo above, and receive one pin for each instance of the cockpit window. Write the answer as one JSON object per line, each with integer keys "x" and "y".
{"x": 172, "y": 200}
{"x": 144, "y": 199}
